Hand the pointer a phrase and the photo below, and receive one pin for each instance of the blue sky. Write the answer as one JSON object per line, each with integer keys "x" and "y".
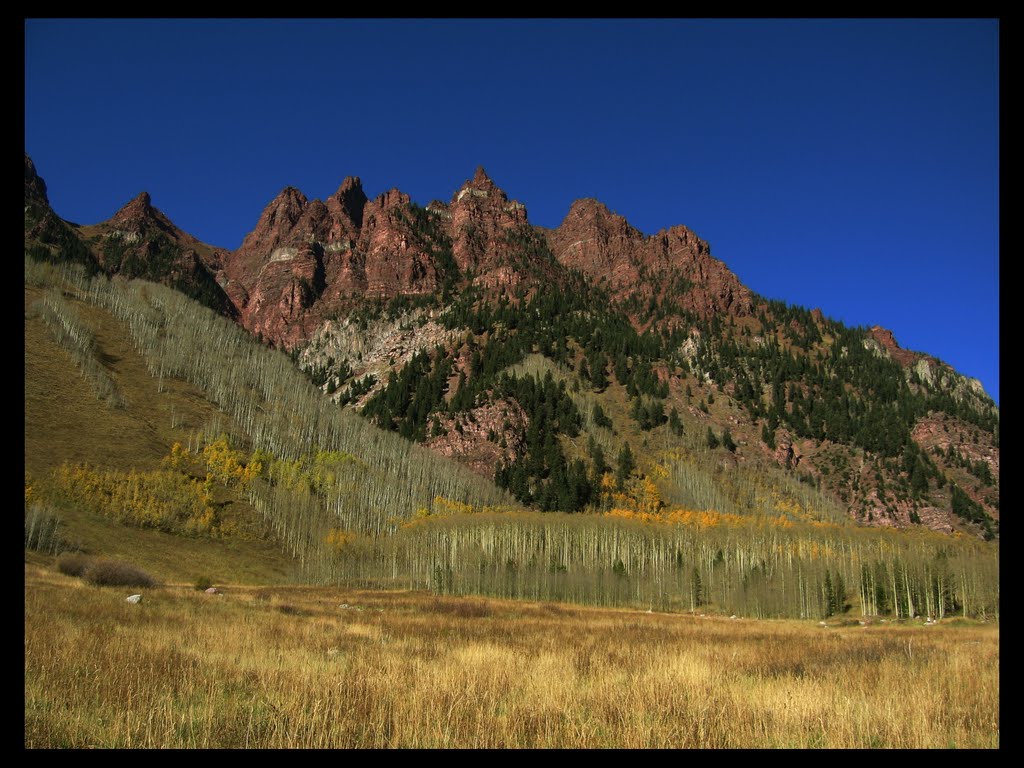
{"x": 851, "y": 165}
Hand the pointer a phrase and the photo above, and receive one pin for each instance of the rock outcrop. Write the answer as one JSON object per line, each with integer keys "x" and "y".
{"x": 673, "y": 264}
{"x": 35, "y": 187}
{"x": 307, "y": 260}
{"x": 483, "y": 438}
{"x": 483, "y": 225}
{"x": 887, "y": 345}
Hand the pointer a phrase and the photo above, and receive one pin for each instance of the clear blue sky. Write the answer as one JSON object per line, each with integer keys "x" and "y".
{"x": 851, "y": 165}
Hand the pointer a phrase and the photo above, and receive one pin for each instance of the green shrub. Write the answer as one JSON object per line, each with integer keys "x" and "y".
{"x": 202, "y": 584}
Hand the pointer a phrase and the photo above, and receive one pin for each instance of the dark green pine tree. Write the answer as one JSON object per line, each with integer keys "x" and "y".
{"x": 674, "y": 423}
{"x": 919, "y": 480}
{"x": 626, "y": 465}
{"x": 727, "y": 441}
{"x": 597, "y": 457}
{"x": 600, "y": 419}
{"x": 696, "y": 588}
{"x": 598, "y": 376}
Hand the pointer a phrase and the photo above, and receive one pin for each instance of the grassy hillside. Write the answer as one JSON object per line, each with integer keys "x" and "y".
{"x": 116, "y": 373}
{"x": 262, "y": 456}
{"x": 68, "y": 423}
{"x": 66, "y": 420}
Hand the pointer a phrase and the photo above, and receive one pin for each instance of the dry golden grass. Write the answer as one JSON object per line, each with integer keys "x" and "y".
{"x": 65, "y": 422}
{"x": 290, "y": 667}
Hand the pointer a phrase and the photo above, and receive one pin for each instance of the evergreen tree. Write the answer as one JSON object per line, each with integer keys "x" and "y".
{"x": 696, "y": 588}
{"x": 597, "y": 457}
{"x": 598, "y": 376}
{"x": 919, "y": 480}
{"x": 600, "y": 419}
{"x": 674, "y": 423}
{"x": 626, "y": 465}
{"x": 727, "y": 441}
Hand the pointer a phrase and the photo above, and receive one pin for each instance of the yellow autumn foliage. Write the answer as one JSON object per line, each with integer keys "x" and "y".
{"x": 639, "y": 494}
{"x": 230, "y": 466}
{"x": 445, "y": 508}
{"x": 702, "y": 518}
{"x": 338, "y": 539}
{"x": 179, "y": 457}
{"x": 164, "y": 500}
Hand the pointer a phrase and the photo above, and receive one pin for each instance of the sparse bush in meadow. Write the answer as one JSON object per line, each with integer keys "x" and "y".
{"x": 73, "y": 563}
{"x": 463, "y": 608}
{"x": 111, "y": 573}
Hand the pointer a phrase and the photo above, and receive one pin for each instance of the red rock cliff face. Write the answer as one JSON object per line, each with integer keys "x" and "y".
{"x": 887, "y": 341}
{"x": 481, "y": 220}
{"x": 305, "y": 259}
{"x": 396, "y": 262}
{"x": 272, "y": 277}
{"x": 344, "y": 269}
{"x": 605, "y": 248}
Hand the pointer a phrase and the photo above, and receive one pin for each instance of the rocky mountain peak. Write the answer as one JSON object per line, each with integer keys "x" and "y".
{"x": 480, "y": 177}
{"x": 288, "y": 204}
{"x": 348, "y": 202}
{"x": 139, "y": 220}
{"x": 884, "y": 337}
{"x": 35, "y": 187}
{"x": 682, "y": 236}
{"x": 590, "y": 216}
{"x": 605, "y": 247}
{"x": 277, "y": 220}
{"x": 480, "y": 189}
{"x": 350, "y": 184}
{"x": 137, "y": 211}
{"x": 886, "y": 340}
{"x": 391, "y": 199}
{"x": 481, "y": 215}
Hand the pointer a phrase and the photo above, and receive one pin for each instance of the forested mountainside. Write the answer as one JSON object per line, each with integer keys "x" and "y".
{"x": 588, "y": 367}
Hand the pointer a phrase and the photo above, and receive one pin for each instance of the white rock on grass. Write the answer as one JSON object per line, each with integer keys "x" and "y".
{"x": 133, "y": 599}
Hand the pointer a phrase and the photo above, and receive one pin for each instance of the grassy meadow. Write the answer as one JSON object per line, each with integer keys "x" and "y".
{"x": 328, "y": 667}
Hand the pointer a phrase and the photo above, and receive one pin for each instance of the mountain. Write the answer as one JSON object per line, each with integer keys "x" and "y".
{"x": 611, "y": 253}
{"x": 570, "y": 364}
{"x": 307, "y": 260}
{"x": 47, "y": 236}
{"x": 138, "y": 241}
